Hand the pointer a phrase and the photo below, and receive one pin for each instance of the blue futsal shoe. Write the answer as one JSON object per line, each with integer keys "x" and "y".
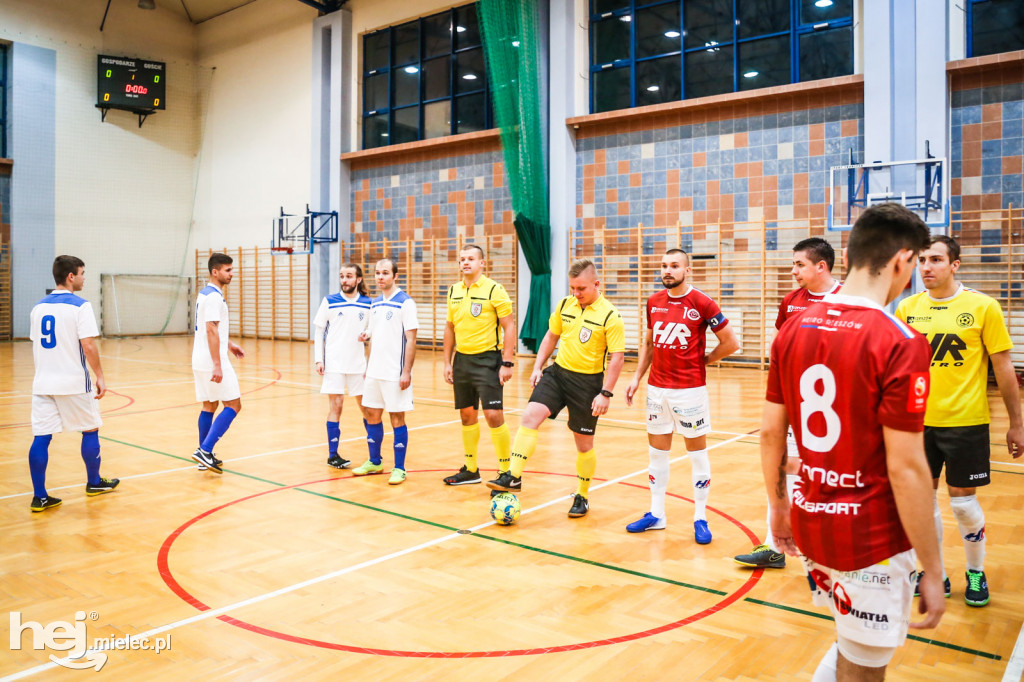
{"x": 647, "y": 522}
{"x": 701, "y": 533}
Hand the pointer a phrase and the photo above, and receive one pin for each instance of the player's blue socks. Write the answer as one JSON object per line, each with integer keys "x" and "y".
{"x": 91, "y": 456}
{"x": 38, "y": 456}
{"x": 205, "y": 422}
{"x": 401, "y": 445}
{"x": 333, "y": 436}
{"x": 219, "y": 428}
{"x": 374, "y": 435}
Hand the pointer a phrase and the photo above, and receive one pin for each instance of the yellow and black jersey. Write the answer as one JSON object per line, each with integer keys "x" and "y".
{"x": 963, "y": 331}
{"x": 587, "y": 335}
{"x": 474, "y": 313}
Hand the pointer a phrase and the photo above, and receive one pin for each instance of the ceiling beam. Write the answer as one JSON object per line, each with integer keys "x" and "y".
{"x": 325, "y": 6}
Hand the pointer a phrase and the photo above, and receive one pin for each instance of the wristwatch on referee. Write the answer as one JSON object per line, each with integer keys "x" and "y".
{"x": 606, "y": 393}
{"x": 507, "y": 363}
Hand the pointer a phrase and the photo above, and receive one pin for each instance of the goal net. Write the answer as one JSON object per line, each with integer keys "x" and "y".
{"x": 145, "y": 305}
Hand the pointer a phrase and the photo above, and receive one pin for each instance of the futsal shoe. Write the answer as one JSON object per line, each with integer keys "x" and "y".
{"x": 397, "y": 477}
{"x": 977, "y": 588}
{"x": 463, "y": 477}
{"x": 701, "y": 533}
{"x": 43, "y": 503}
{"x": 106, "y": 485}
{"x": 762, "y": 556}
{"x": 579, "y": 507}
{"x": 338, "y": 462}
{"x": 647, "y": 522}
{"x": 202, "y": 467}
{"x": 917, "y": 586}
{"x": 367, "y": 468}
{"x": 208, "y": 460}
{"x": 506, "y": 483}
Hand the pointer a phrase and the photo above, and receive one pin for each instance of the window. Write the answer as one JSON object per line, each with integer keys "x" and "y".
{"x": 425, "y": 78}
{"x": 994, "y": 26}
{"x": 650, "y": 51}
{"x": 3, "y": 100}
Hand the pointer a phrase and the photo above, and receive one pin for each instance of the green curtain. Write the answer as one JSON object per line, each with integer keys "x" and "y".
{"x": 510, "y": 38}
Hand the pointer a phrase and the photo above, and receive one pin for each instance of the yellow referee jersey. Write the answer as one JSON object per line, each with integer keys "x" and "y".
{"x": 474, "y": 313}
{"x": 963, "y": 331}
{"x": 587, "y": 335}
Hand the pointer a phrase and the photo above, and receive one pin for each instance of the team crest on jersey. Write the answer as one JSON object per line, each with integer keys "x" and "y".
{"x": 965, "y": 320}
{"x": 476, "y": 309}
{"x": 585, "y": 334}
{"x": 388, "y": 316}
{"x": 361, "y": 316}
{"x": 693, "y": 314}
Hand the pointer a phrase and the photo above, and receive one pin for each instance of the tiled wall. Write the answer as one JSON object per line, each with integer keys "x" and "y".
{"x": 772, "y": 166}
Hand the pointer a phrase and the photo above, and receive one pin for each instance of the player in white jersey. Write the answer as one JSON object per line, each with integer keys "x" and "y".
{"x": 340, "y": 355}
{"x": 392, "y": 334}
{"x": 62, "y": 330}
{"x": 216, "y": 381}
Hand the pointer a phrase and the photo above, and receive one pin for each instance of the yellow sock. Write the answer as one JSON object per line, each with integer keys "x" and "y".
{"x": 526, "y": 443}
{"x": 470, "y": 444}
{"x": 502, "y": 440}
{"x": 586, "y": 464}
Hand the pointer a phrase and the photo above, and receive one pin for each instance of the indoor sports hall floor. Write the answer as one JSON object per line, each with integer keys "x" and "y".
{"x": 283, "y": 568}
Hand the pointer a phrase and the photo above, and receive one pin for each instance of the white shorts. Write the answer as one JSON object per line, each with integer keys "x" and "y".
{"x": 336, "y": 383}
{"x": 871, "y": 606}
{"x": 792, "y": 451}
{"x": 55, "y": 413}
{"x": 227, "y": 389}
{"x": 382, "y": 394}
{"x": 685, "y": 410}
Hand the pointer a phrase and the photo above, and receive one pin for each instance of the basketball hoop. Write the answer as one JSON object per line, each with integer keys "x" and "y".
{"x": 281, "y": 250}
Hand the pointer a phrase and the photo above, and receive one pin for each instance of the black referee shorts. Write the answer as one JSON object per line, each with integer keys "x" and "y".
{"x": 965, "y": 450}
{"x": 559, "y": 388}
{"x": 477, "y": 381}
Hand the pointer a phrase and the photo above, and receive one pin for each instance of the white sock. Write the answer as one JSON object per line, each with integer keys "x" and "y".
{"x": 937, "y": 513}
{"x": 658, "y": 479}
{"x": 826, "y": 671}
{"x": 700, "y": 474}
{"x": 971, "y": 520}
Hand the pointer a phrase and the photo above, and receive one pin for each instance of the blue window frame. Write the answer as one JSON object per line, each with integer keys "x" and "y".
{"x": 650, "y": 51}
{"x": 425, "y": 78}
{"x": 994, "y": 26}
{"x": 4, "y": 100}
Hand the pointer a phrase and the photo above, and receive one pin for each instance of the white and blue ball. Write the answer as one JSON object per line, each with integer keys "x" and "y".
{"x": 505, "y": 509}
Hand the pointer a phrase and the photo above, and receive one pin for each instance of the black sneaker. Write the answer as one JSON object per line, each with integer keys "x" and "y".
{"x": 495, "y": 493}
{"x": 579, "y": 507}
{"x": 463, "y": 477}
{"x": 106, "y": 485}
{"x": 917, "y": 585}
{"x": 762, "y": 556}
{"x": 977, "y": 588}
{"x": 43, "y": 503}
{"x": 207, "y": 458}
{"x": 338, "y": 462}
{"x": 506, "y": 483}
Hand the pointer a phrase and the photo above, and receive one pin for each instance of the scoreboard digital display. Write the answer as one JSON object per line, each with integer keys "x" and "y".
{"x": 133, "y": 84}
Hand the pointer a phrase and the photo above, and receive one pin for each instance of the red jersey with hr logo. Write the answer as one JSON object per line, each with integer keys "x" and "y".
{"x": 797, "y": 301}
{"x": 677, "y": 326}
{"x": 844, "y": 369}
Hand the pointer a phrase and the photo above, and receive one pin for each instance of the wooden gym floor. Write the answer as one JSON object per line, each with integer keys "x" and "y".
{"x": 283, "y": 568}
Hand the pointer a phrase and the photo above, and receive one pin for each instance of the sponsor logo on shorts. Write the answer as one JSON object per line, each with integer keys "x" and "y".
{"x": 844, "y": 605}
{"x": 584, "y": 429}
{"x": 979, "y": 477}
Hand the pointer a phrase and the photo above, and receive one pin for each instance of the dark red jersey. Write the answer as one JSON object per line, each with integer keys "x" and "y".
{"x": 797, "y": 301}
{"x": 844, "y": 368}
{"x": 677, "y": 327}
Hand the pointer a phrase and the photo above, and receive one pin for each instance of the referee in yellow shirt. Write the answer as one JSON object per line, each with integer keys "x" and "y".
{"x": 965, "y": 329}
{"x": 479, "y": 319}
{"x": 591, "y": 348}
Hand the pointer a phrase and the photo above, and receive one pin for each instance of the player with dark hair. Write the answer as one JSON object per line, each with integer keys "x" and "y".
{"x": 479, "y": 348}
{"x": 590, "y": 336}
{"x": 677, "y": 394}
{"x": 340, "y": 356}
{"x": 966, "y": 330}
{"x": 813, "y": 260}
{"x": 62, "y": 331}
{"x": 215, "y": 378}
{"x": 388, "y": 385}
{"x": 853, "y": 382}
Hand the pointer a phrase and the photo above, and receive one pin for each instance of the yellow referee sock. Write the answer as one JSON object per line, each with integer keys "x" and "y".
{"x": 526, "y": 443}
{"x": 502, "y": 440}
{"x": 471, "y": 444}
{"x": 586, "y": 465}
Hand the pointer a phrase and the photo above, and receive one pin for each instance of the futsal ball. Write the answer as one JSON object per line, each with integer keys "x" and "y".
{"x": 505, "y": 509}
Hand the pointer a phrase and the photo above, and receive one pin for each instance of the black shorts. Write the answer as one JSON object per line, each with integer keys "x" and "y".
{"x": 559, "y": 388}
{"x": 963, "y": 449}
{"x": 476, "y": 380}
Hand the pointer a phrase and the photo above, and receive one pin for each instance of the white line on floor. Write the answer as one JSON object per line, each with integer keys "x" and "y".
{"x": 1015, "y": 666}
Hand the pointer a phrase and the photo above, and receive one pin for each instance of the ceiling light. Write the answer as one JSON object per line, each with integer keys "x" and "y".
{"x": 626, "y": 18}
{"x": 147, "y": 4}
{"x": 751, "y": 74}
{"x": 462, "y": 29}
{"x": 711, "y": 45}
{"x": 653, "y": 88}
{"x": 823, "y": 3}
{"x": 411, "y": 69}
{"x": 671, "y": 34}
{"x": 469, "y": 77}
{"x": 384, "y": 135}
